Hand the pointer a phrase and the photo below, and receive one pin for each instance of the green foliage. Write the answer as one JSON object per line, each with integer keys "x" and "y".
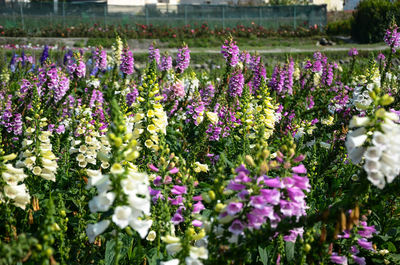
{"x": 372, "y": 18}
{"x": 96, "y": 42}
{"x": 340, "y": 27}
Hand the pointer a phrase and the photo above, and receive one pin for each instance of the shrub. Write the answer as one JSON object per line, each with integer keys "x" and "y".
{"x": 371, "y": 18}
{"x": 340, "y": 27}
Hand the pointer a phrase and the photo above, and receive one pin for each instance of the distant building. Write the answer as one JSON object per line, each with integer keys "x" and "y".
{"x": 350, "y": 4}
{"x": 187, "y": 2}
{"x": 332, "y": 5}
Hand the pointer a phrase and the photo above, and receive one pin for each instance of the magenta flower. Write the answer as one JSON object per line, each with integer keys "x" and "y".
{"x": 294, "y": 233}
{"x": 392, "y": 38}
{"x": 178, "y": 190}
{"x": 182, "y": 59}
{"x": 177, "y": 201}
{"x": 177, "y": 218}
{"x": 354, "y": 250}
{"x": 367, "y": 231}
{"x": 153, "y": 167}
{"x": 300, "y": 169}
{"x": 235, "y": 186}
{"x": 362, "y": 242}
{"x": 353, "y": 52}
{"x": 197, "y": 223}
{"x": 198, "y": 207}
{"x": 272, "y": 182}
{"x": 335, "y": 258}
{"x": 230, "y": 51}
{"x": 359, "y": 260}
{"x": 236, "y": 227}
{"x": 127, "y": 62}
{"x": 174, "y": 170}
{"x": 234, "y": 207}
{"x": 271, "y": 196}
{"x": 236, "y": 83}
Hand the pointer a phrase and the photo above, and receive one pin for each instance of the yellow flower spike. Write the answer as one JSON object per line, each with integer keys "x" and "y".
{"x": 148, "y": 143}
{"x": 118, "y": 141}
{"x": 9, "y": 157}
{"x": 219, "y": 207}
{"x": 150, "y": 113}
{"x": 191, "y": 231}
{"x": 211, "y": 194}
{"x": 117, "y": 169}
{"x": 380, "y": 113}
{"x": 159, "y": 98}
{"x": 386, "y": 100}
{"x": 121, "y": 128}
{"x": 127, "y": 136}
{"x": 199, "y": 235}
{"x": 132, "y": 155}
{"x": 170, "y": 239}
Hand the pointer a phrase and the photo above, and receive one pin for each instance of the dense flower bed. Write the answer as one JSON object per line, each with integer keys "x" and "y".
{"x": 140, "y": 31}
{"x": 102, "y": 164}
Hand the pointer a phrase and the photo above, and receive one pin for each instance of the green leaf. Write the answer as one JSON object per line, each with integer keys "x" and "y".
{"x": 391, "y": 247}
{"x": 109, "y": 259}
{"x": 395, "y": 258}
{"x": 263, "y": 255}
{"x": 289, "y": 247}
{"x": 125, "y": 241}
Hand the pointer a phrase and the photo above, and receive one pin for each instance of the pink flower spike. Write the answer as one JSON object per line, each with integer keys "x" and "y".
{"x": 167, "y": 180}
{"x": 174, "y": 170}
{"x": 299, "y": 158}
{"x": 197, "y": 223}
{"x": 153, "y": 167}
{"x": 300, "y": 169}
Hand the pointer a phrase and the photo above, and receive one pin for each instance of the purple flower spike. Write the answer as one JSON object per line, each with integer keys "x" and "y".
{"x": 236, "y": 227}
{"x": 230, "y": 51}
{"x": 335, "y": 258}
{"x": 392, "y": 38}
{"x": 362, "y": 242}
{"x": 353, "y": 52}
{"x": 178, "y": 190}
{"x": 127, "y": 62}
{"x": 182, "y": 59}
{"x": 234, "y": 207}
{"x": 236, "y": 84}
{"x": 359, "y": 260}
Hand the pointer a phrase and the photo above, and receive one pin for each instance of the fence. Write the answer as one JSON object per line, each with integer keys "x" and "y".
{"x": 31, "y": 16}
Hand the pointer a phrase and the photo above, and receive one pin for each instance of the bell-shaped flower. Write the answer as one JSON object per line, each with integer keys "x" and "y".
{"x": 21, "y": 200}
{"x": 356, "y": 138}
{"x": 173, "y": 248}
{"x": 93, "y": 230}
{"x": 192, "y": 261}
{"x": 359, "y": 121}
{"x": 140, "y": 204}
{"x": 377, "y": 179}
{"x": 122, "y": 216}
{"x": 12, "y": 191}
{"x": 101, "y": 202}
{"x": 356, "y": 154}
{"x": 170, "y": 262}
{"x": 141, "y": 226}
{"x": 198, "y": 253}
